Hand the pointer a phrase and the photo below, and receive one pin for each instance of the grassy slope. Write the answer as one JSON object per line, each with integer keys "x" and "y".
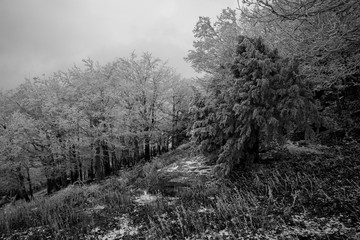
{"x": 302, "y": 195}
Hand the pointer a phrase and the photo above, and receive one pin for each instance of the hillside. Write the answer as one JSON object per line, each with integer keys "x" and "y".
{"x": 297, "y": 192}
{"x": 261, "y": 141}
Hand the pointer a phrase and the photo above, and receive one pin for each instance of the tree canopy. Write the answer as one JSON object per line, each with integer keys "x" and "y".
{"x": 87, "y": 122}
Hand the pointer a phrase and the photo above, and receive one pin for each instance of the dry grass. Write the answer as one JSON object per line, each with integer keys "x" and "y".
{"x": 305, "y": 196}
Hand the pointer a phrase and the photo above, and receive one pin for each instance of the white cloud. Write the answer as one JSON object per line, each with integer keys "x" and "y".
{"x": 43, "y": 36}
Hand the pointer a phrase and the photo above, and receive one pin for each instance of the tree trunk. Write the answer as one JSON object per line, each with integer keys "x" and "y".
{"x": 31, "y": 191}
{"x": 167, "y": 144}
{"x": 163, "y": 144}
{"x": 49, "y": 185}
{"x": 147, "y": 145}
{"x": 98, "y": 167}
{"x": 136, "y": 150}
{"x": 106, "y": 158}
{"x": 174, "y": 125}
{"x": 159, "y": 146}
{"x": 114, "y": 161}
{"x": 91, "y": 174}
{"x": 74, "y": 172}
{"x": 251, "y": 148}
{"x": 22, "y": 194}
{"x": 52, "y": 185}
{"x": 125, "y": 158}
{"x": 80, "y": 169}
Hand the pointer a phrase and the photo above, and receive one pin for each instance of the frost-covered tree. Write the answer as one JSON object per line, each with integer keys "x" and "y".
{"x": 257, "y": 97}
{"x": 215, "y": 42}
{"x": 146, "y": 86}
{"x": 90, "y": 121}
{"x": 19, "y": 145}
{"x": 325, "y": 35}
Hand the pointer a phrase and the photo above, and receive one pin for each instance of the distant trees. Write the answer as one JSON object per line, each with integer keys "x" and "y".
{"x": 87, "y": 123}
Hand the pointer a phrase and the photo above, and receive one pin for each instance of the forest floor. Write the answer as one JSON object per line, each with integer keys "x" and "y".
{"x": 298, "y": 192}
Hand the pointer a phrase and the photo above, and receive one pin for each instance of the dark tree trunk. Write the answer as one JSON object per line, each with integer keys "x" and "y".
{"x": 142, "y": 155}
{"x": 31, "y": 191}
{"x": 22, "y": 194}
{"x": 98, "y": 167}
{"x": 147, "y": 145}
{"x": 55, "y": 183}
{"x": 163, "y": 144}
{"x": 49, "y": 185}
{"x": 153, "y": 152}
{"x": 114, "y": 161}
{"x": 136, "y": 150}
{"x": 91, "y": 174}
{"x": 174, "y": 126}
{"x": 80, "y": 169}
{"x": 251, "y": 148}
{"x": 167, "y": 144}
{"x": 125, "y": 158}
{"x": 106, "y": 158}
{"x": 159, "y": 147}
{"x": 52, "y": 185}
{"x": 74, "y": 173}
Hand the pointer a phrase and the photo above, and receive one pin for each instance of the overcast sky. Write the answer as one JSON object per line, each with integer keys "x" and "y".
{"x": 43, "y": 36}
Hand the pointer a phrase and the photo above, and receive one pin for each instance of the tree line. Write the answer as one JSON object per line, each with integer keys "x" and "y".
{"x": 88, "y": 122}
{"x": 269, "y": 70}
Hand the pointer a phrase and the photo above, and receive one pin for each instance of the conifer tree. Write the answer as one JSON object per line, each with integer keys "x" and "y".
{"x": 257, "y": 97}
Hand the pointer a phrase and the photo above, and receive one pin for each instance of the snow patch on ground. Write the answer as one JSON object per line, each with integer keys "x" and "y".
{"x": 98, "y": 207}
{"x": 193, "y": 165}
{"x": 205, "y": 210}
{"x": 294, "y": 149}
{"x": 125, "y": 229}
{"x": 171, "y": 168}
{"x": 145, "y": 198}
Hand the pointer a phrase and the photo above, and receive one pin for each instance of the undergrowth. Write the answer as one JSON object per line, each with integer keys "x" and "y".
{"x": 303, "y": 196}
